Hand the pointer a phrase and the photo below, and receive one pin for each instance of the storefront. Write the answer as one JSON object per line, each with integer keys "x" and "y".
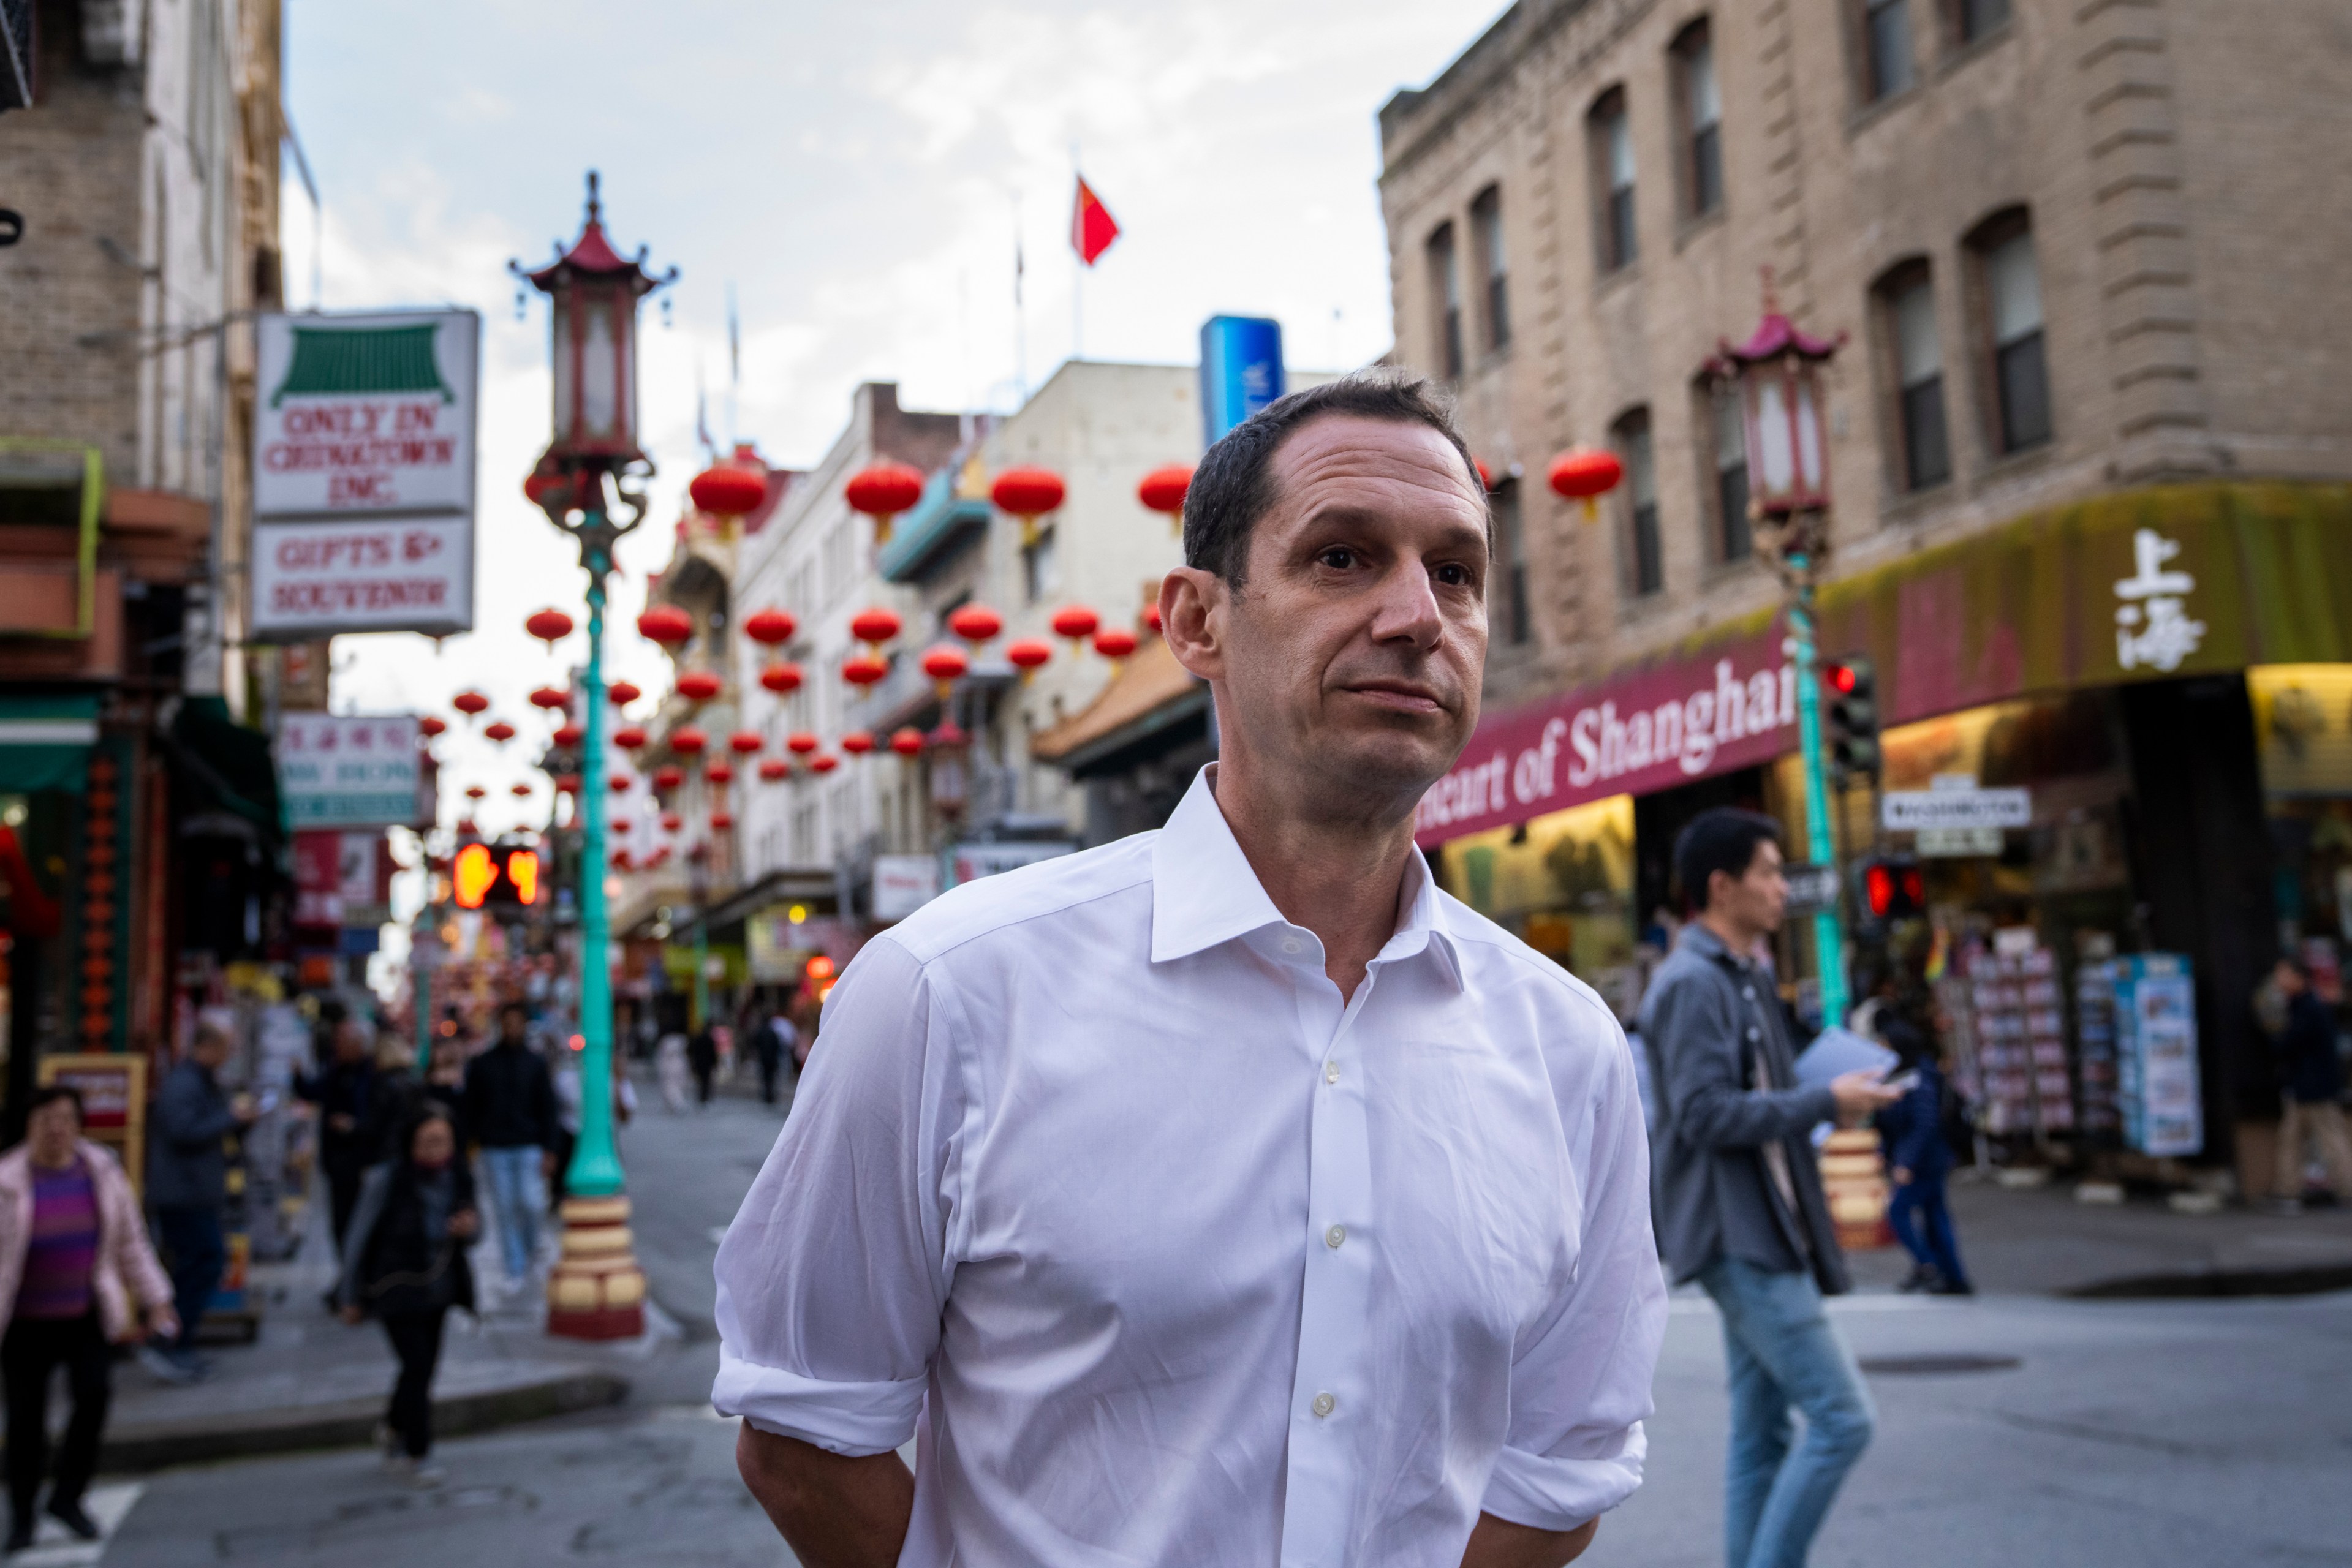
{"x": 2167, "y": 674}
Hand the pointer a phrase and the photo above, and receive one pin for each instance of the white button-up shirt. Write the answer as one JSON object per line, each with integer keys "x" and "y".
{"x": 1166, "y": 1253}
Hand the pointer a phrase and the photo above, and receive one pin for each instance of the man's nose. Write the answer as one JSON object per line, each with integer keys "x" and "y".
{"x": 1407, "y": 608}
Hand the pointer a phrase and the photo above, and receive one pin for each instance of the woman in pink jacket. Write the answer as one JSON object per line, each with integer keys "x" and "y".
{"x": 73, "y": 1256}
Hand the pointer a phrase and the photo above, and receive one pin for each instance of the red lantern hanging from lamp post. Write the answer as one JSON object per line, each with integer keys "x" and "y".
{"x": 1586, "y": 475}
{"x": 730, "y": 491}
{"x": 551, "y": 626}
{"x": 1028, "y": 493}
{"x": 881, "y": 492}
{"x": 1164, "y": 490}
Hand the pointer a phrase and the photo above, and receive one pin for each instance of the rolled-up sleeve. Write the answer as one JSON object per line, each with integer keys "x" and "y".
{"x": 1580, "y": 1377}
{"x": 833, "y": 1277}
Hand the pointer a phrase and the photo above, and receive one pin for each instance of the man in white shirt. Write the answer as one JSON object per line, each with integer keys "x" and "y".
{"x": 1229, "y": 1193}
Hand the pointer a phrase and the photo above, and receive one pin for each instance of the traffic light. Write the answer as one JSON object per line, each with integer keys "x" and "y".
{"x": 1853, "y": 717}
{"x": 1892, "y": 888}
{"x": 504, "y": 878}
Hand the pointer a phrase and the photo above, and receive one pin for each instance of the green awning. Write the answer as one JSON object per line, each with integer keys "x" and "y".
{"x": 45, "y": 742}
{"x": 224, "y": 766}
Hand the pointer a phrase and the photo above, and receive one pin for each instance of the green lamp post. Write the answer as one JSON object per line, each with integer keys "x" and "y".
{"x": 590, "y": 484}
{"x": 1777, "y": 372}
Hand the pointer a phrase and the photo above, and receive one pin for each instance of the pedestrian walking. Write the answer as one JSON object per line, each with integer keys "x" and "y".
{"x": 671, "y": 1070}
{"x": 77, "y": 1276}
{"x": 568, "y": 1100}
{"x": 1918, "y": 1160}
{"x": 342, "y": 1091}
{"x": 405, "y": 1262}
{"x": 2311, "y": 1078}
{"x": 1267, "y": 1203}
{"x": 187, "y": 1181}
{"x": 445, "y": 1086}
{"x": 1739, "y": 1200}
{"x": 395, "y": 1098}
{"x": 702, "y": 1056}
{"x": 773, "y": 1040}
{"x": 510, "y": 1110}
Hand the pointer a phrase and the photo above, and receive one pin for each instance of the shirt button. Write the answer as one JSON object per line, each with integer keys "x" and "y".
{"x": 1290, "y": 944}
{"x": 1325, "y": 1404}
{"x": 1755, "y": 1033}
{"x": 1748, "y": 991}
{"x": 1331, "y": 1072}
{"x": 1337, "y": 1234}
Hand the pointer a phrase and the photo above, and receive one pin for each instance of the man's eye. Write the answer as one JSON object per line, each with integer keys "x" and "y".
{"x": 1453, "y": 576}
{"x": 1338, "y": 557}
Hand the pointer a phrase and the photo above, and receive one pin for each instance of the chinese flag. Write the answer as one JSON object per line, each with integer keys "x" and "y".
{"x": 1092, "y": 228}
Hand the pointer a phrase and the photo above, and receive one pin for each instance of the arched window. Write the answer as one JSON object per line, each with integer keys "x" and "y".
{"x": 2008, "y": 289}
{"x": 1911, "y": 349}
{"x": 1445, "y": 285}
{"x": 1698, "y": 106}
{"x": 1886, "y": 62}
{"x": 1723, "y": 433}
{"x": 1487, "y": 230}
{"x": 1645, "y": 558}
{"x": 1611, "y": 134}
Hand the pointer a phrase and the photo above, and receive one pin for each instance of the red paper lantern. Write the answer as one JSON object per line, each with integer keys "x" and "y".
{"x": 882, "y": 492}
{"x": 622, "y": 862}
{"x": 620, "y": 783}
{"x": 475, "y": 791}
{"x": 720, "y": 821}
{"x": 907, "y": 742}
{"x": 727, "y": 490}
{"x": 770, "y": 627}
{"x": 550, "y": 698}
{"x": 431, "y": 726}
{"x": 696, "y": 685}
{"x": 874, "y": 626}
{"x": 688, "y": 741}
{"x": 744, "y": 742}
{"x": 782, "y": 678}
{"x": 1028, "y": 653}
{"x": 568, "y": 736}
{"x": 628, "y": 738}
{"x": 824, "y": 762}
{"x": 547, "y": 489}
{"x": 1586, "y": 475}
{"x": 946, "y": 665}
{"x": 857, "y": 742}
{"x": 1028, "y": 492}
{"x": 1151, "y": 615}
{"x": 800, "y": 743}
{"x": 1075, "y": 622}
{"x": 975, "y": 623}
{"x": 668, "y": 777}
{"x": 671, "y": 821}
{"x": 471, "y": 704}
{"x": 567, "y": 783}
{"x": 619, "y": 825}
{"x": 520, "y": 791}
{"x": 1485, "y": 474}
{"x": 718, "y": 773}
{"x": 1115, "y": 642}
{"x": 500, "y": 730}
{"x": 623, "y": 693}
{"x": 949, "y": 733}
{"x": 865, "y": 669}
{"x": 549, "y": 626}
{"x": 773, "y": 769}
{"x": 666, "y": 624}
{"x": 465, "y": 829}
{"x": 1164, "y": 490}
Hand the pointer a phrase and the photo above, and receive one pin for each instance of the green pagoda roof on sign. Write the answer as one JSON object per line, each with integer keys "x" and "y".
{"x": 335, "y": 362}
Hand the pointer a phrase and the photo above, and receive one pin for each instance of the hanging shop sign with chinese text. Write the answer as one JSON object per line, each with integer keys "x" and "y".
{"x": 340, "y": 771}
{"x": 364, "y": 472}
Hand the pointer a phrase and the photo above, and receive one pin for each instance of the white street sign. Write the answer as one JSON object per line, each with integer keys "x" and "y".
{"x": 392, "y": 574}
{"x": 1913, "y": 810}
{"x": 338, "y": 771}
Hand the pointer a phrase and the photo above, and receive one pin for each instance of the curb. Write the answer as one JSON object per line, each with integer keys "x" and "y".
{"x": 2303, "y": 1280}
{"x": 348, "y": 1423}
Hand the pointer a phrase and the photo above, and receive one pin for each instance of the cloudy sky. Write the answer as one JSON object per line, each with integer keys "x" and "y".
{"x": 853, "y": 173}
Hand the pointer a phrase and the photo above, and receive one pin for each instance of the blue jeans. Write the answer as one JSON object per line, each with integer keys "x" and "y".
{"x": 191, "y": 1236}
{"x": 1783, "y": 1353}
{"x": 1920, "y": 1219}
{"x": 517, "y": 1197}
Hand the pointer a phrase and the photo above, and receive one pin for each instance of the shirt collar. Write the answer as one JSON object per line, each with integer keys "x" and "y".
{"x": 1205, "y": 892}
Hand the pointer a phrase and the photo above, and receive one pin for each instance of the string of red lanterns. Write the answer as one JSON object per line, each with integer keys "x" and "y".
{"x": 551, "y": 626}
{"x": 1028, "y": 493}
{"x": 696, "y": 685}
{"x": 881, "y": 492}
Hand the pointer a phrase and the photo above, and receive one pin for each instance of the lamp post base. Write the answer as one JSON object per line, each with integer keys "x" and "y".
{"x": 596, "y": 1290}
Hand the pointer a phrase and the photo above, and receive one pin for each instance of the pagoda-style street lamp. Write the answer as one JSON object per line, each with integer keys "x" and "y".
{"x": 591, "y": 484}
{"x": 1778, "y": 374}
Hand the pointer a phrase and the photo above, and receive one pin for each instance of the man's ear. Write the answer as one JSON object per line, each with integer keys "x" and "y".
{"x": 1192, "y": 604}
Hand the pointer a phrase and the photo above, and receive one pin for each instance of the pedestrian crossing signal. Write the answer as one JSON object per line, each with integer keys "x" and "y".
{"x": 502, "y": 878}
{"x": 1892, "y": 888}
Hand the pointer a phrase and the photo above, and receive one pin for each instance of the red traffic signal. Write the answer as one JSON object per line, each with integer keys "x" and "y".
{"x": 483, "y": 875}
{"x": 1892, "y": 888}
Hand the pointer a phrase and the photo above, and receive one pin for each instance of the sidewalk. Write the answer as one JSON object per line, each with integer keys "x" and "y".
{"x": 2041, "y": 1242}
{"x": 310, "y": 1381}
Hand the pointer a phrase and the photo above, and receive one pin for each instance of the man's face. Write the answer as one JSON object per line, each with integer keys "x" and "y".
{"x": 209, "y": 1050}
{"x": 351, "y": 1044}
{"x": 1757, "y": 897}
{"x": 1349, "y": 661}
{"x": 512, "y": 1023}
{"x": 2290, "y": 983}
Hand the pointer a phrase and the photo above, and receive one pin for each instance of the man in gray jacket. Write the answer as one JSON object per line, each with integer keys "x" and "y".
{"x": 1739, "y": 1205}
{"x": 187, "y": 1181}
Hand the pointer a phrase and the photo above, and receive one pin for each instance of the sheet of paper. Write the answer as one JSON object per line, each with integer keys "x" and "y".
{"x": 1837, "y": 1051}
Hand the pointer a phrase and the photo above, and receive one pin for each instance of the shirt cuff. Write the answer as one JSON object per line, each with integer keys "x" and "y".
{"x": 1546, "y": 1493}
{"x": 851, "y": 1418}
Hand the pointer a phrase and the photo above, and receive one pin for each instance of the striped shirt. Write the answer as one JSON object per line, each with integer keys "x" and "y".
{"x": 64, "y": 1246}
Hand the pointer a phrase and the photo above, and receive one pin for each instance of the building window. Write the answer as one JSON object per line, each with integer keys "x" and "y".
{"x": 1445, "y": 281}
{"x": 1612, "y": 164}
{"x": 2012, "y": 296}
{"x": 1487, "y": 225}
{"x": 1909, "y": 302}
{"x": 1645, "y": 558}
{"x": 1511, "y": 555}
{"x": 1972, "y": 19}
{"x": 1041, "y": 574}
{"x": 1887, "y": 47}
{"x": 1702, "y": 116}
{"x": 1734, "y": 540}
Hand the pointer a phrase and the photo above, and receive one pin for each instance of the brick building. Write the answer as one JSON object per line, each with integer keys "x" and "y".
{"x": 2081, "y": 255}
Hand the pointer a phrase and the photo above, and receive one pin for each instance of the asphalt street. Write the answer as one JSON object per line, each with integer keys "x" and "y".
{"x": 2013, "y": 1429}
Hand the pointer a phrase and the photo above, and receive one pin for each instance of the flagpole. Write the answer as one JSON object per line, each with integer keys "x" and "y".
{"x": 1019, "y": 312}
{"x": 1077, "y": 259}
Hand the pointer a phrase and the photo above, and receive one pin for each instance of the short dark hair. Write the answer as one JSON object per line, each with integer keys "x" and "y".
{"x": 1720, "y": 839}
{"x": 2301, "y": 970}
{"x": 50, "y": 1094}
{"x": 1232, "y": 485}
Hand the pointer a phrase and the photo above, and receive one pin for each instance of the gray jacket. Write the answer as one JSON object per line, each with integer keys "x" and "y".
{"x": 1706, "y": 1017}
{"x": 186, "y": 1166}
